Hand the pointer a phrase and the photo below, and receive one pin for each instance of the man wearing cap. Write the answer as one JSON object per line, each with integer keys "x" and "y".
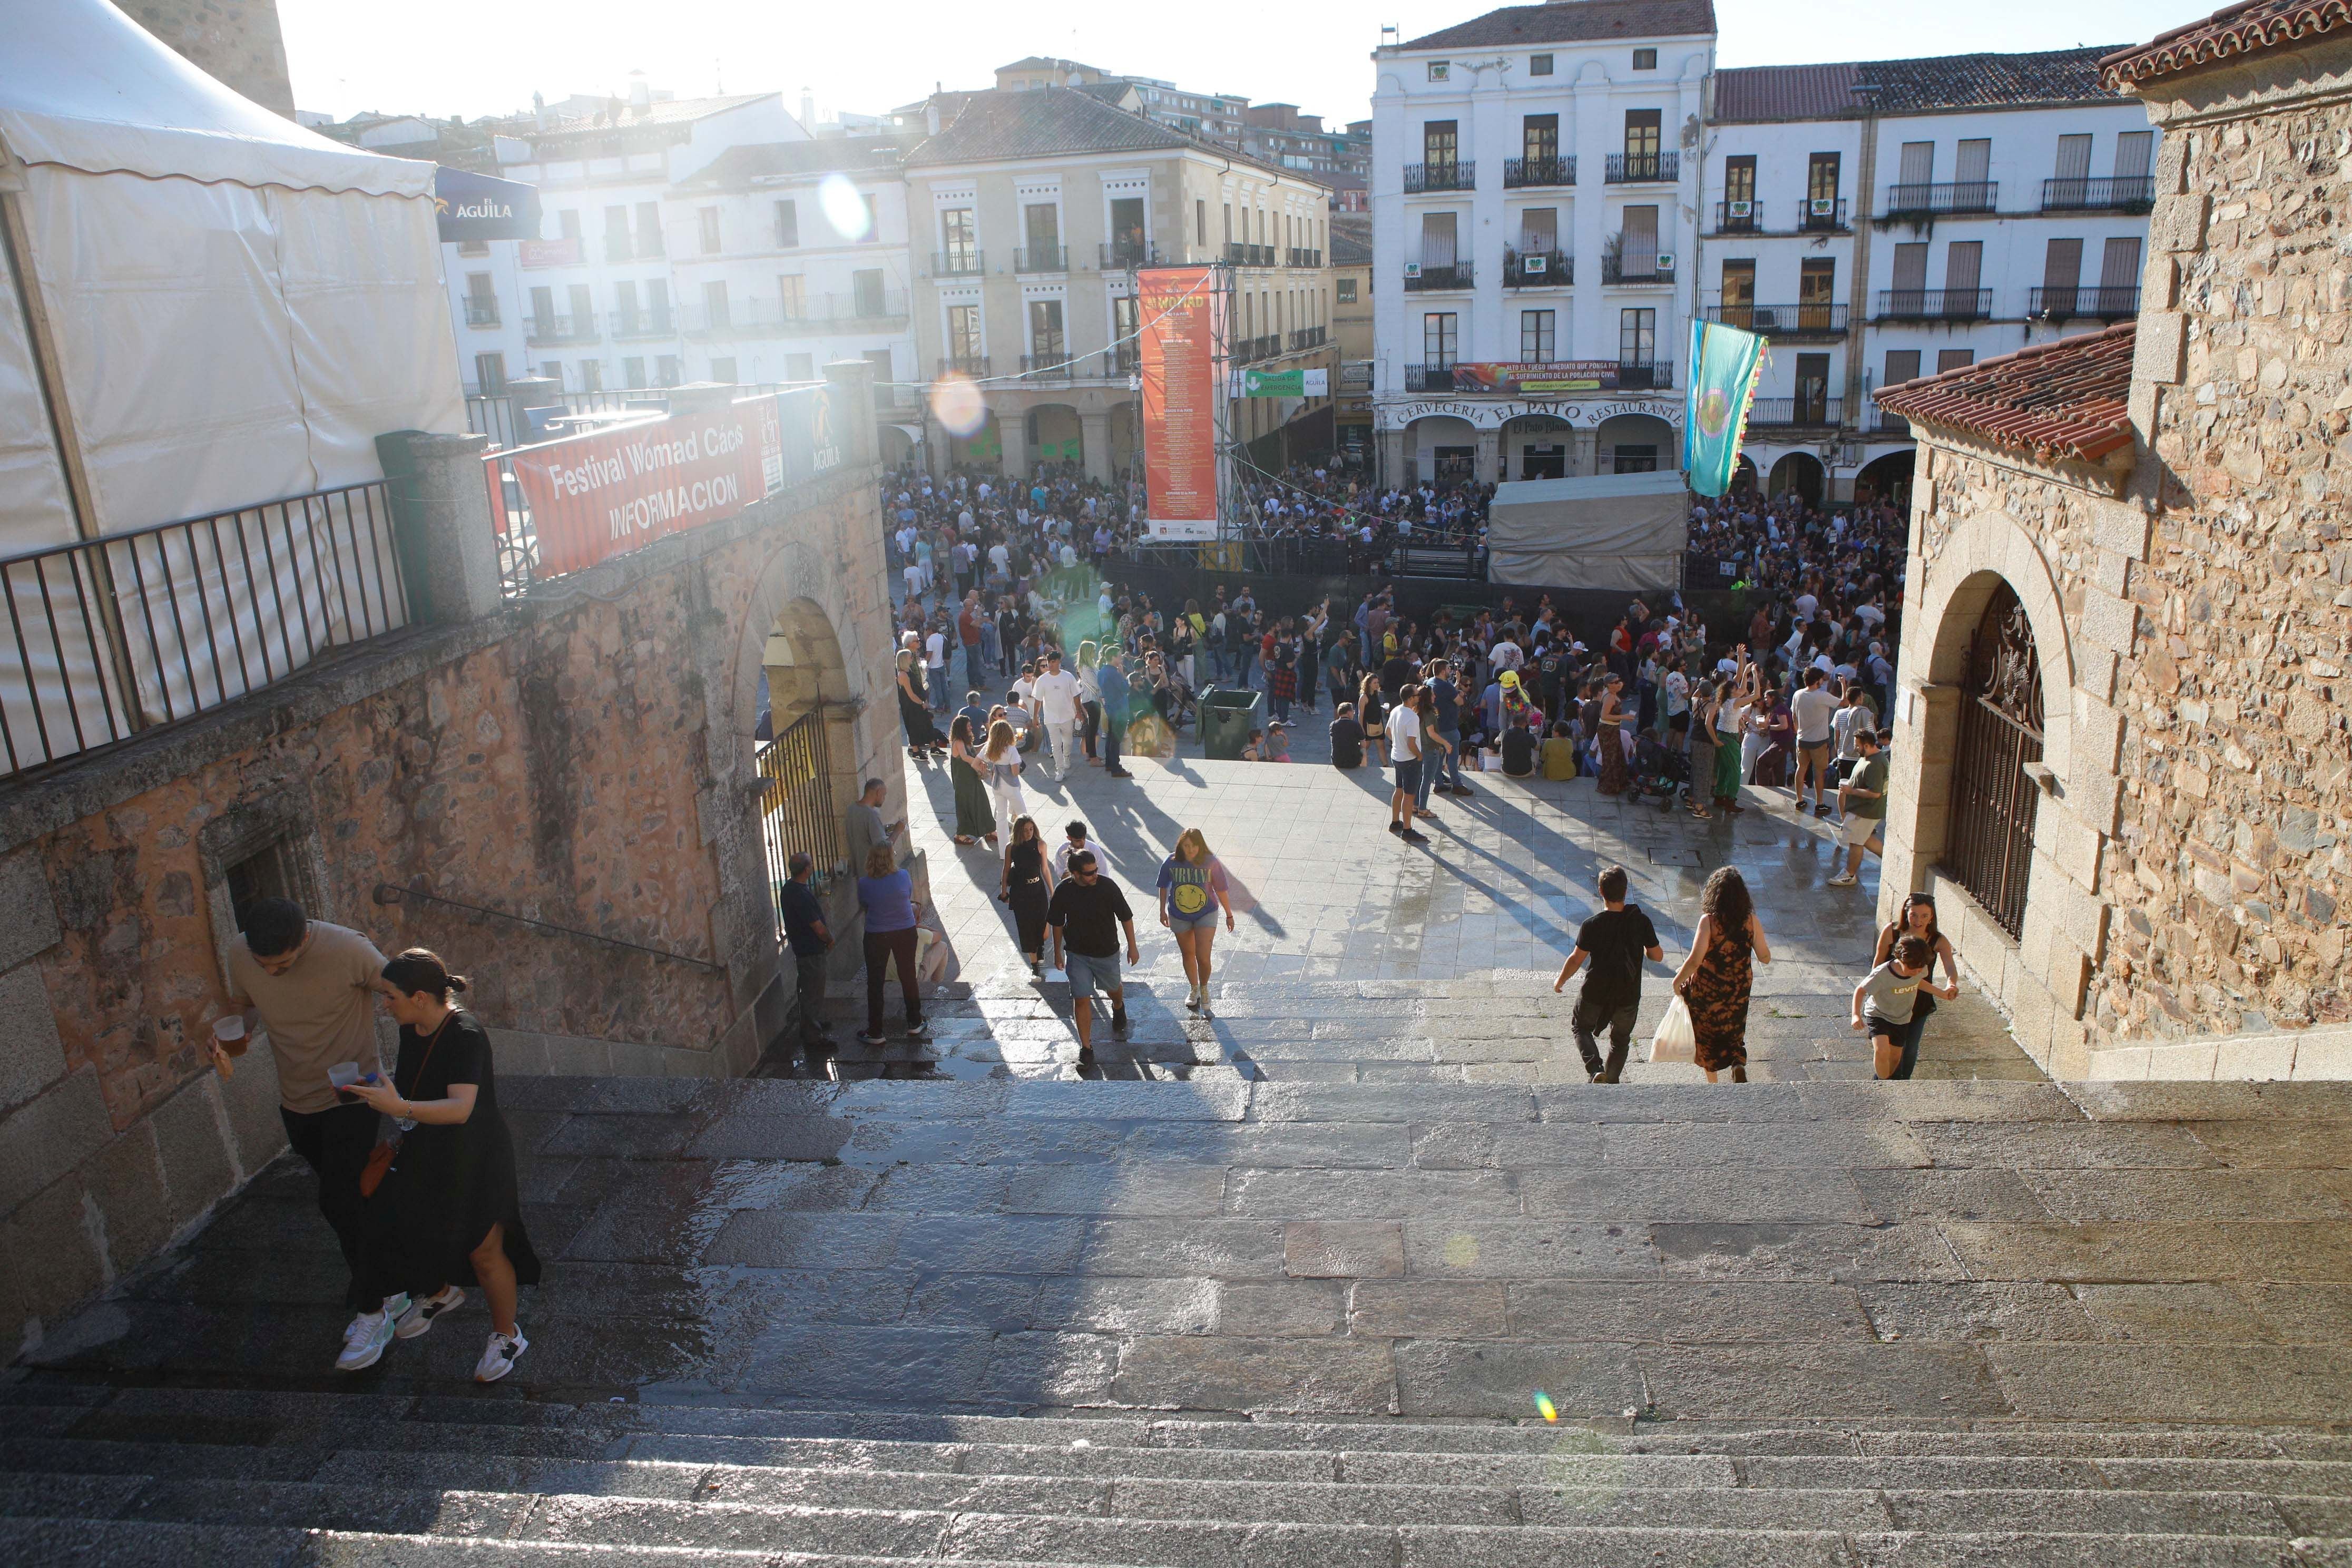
{"x": 1062, "y": 709}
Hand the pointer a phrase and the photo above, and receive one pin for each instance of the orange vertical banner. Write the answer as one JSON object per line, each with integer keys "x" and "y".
{"x": 1178, "y": 307}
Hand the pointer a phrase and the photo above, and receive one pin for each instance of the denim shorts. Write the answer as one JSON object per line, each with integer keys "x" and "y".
{"x": 1089, "y": 973}
{"x": 1408, "y": 775}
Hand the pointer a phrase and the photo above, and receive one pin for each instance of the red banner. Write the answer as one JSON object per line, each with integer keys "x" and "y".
{"x": 1567, "y": 376}
{"x": 593, "y": 497}
{"x": 1179, "y": 307}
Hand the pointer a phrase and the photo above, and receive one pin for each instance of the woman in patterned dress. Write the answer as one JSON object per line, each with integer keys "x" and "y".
{"x": 1714, "y": 980}
{"x": 1612, "y": 742}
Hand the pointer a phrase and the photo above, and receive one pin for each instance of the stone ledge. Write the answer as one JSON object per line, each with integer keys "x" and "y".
{"x": 2297, "y": 1057}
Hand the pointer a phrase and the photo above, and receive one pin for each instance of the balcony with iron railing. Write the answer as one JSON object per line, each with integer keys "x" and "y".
{"x": 550, "y": 331}
{"x": 1797, "y": 413}
{"x": 1122, "y": 360}
{"x": 1943, "y": 197}
{"x": 1642, "y": 168}
{"x": 1042, "y": 258}
{"x": 1302, "y": 338}
{"x": 958, "y": 263}
{"x": 1301, "y": 256}
{"x": 1935, "y": 304}
{"x": 1822, "y": 214}
{"x": 1884, "y": 422}
{"x": 2084, "y": 301}
{"x": 1122, "y": 254}
{"x": 1818, "y": 318}
{"x": 1745, "y": 215}
{"x": 1459, "y": 175}
{"x": 879, "y": 311}
{"x": 643, "y": 323}
{"x": 1241, "y": 254}
{"x": 1537, "y": 268}
{"x": 2110, "y": 193}
{"x": 1636, "y": 267}
{"x": 1046, "y": 367}
{"x": 974, "y": 365}
{"x": 481, "y": 310}
{"x": 1422, "y": 278}
{"x": 1529, "y": 173}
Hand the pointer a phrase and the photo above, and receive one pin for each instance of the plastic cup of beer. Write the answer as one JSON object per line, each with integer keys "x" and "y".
{"x": 230, "y": 1034}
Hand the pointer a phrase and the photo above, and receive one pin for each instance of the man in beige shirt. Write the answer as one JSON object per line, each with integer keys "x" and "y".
{"x": 313, "y": 987}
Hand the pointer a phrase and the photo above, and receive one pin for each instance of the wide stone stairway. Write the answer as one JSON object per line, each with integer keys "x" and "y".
{"x": 1256, "y": 1321}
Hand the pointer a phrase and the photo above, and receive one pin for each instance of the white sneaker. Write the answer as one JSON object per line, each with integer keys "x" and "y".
{"x": 419, "y": 1317}
{"x": 364, "y": 1340}
{"x": 499, "y": 1355}
{"x": 1842, "y": 880}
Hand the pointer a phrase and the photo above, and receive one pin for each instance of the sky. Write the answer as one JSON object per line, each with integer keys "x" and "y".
{"x": 487, "y": 56}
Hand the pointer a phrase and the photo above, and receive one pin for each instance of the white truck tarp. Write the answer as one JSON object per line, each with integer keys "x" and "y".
{"x": 1610, "y": 531}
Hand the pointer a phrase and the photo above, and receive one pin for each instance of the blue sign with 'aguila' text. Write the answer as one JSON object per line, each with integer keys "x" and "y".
{"x": 477, "y": 206}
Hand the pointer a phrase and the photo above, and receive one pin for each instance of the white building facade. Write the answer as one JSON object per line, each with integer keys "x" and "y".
{"x": 1534, "y": 197}
{"x": 1888, "y": 219}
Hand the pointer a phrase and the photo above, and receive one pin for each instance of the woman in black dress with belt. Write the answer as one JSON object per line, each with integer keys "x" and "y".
{"x": 447, "y": 1212}
{"x": 1027, "y": 885}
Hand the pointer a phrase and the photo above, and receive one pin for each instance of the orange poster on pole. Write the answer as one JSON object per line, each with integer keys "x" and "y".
{"x": 1178, "y": 307}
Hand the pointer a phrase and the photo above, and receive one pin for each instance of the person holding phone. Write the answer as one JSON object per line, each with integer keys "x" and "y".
{"x": 448, "y": 1211}
{"x": 308, "y": 983}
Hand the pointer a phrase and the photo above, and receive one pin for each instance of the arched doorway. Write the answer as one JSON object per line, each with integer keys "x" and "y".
{"x": 983, "y": 449}
{"x": 1053, "y": 435}
{"x": 1800, "y": 472}
{"x": 897, "y": 444}
{"x": 1886, "y": 478}
{"x": 1441, "y": 447}
{"x": 1990, "y": 850}
{"x": 1637, "y": 444}
{"x": 1535, "y": 446}
{"x": 1743, "y": 476}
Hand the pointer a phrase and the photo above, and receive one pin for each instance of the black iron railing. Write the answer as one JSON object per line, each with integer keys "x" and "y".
{"x": 797, "y": 815}
{"x": 1802, "y": 412}
{"x": 110, "y": 636}
{"x": 491, "y": 414}
{"x": 1640, "y": 168}
{"x": 1745, "y": 215}
{"x": 1239, "y": 254}
{"x": 1303, "y": 255}
{"x": 1125, "y": 360}
{"x": 548, "y": 331}
{"x": 1047, "y": 366}
{"x": 1935, "y": 304}
{"x": 1042, "y": 258}
{"x": 481, "y": 310}
{"x": 958, "y": 263}
{"x": 2106, "y": 303}
{"x": 974, "y": 365}
{"x": 1537, "y": 268}
{"x": 1522, "y": 173}
{"x": 1126, "y": 253}
{"x": 1306, "y": 338}
{"x": 1636, "y": 375}
{"x": 1820, "y": 215}
{"x": 1429, "y": 378}
{"x": 643, "y": 323}
{"x": 1782, "y": 320}
{"x": 1460, "y": 175}
{"x": 2107, "y": 193}
{"x": 1994, "y": 798}
{"x": 1636, "y": 267}
{"x": 1946, "y": 196}
{"x": 1424, "y": 278}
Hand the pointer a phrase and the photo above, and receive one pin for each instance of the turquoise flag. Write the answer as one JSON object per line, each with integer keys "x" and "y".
{"x": 1724, "y": 366}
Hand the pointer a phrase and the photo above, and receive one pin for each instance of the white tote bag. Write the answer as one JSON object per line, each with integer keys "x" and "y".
{"x": 1676, "y": 1041}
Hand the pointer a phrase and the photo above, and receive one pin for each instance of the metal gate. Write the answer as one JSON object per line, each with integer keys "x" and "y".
{"x": 1989, "y": 848}
{"x": 797, "y": 809}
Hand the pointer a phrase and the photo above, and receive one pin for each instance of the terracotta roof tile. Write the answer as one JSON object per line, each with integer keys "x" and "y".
{"x": 1575, "y": 22}
{"x": 2060, "y": 400}
{"x": 1910, "y": 86}
{"x": 2240, "y": 29}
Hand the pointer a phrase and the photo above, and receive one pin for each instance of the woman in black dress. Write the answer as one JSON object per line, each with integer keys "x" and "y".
{"x": 447, "y": 1212}
{"x": 1027, "y": 885}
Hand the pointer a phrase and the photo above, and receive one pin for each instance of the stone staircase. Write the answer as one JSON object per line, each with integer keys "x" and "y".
{"x": 1244, "y": 1322}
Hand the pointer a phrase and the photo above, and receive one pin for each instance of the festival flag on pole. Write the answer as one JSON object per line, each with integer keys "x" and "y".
{"x": 1725, "y": 364}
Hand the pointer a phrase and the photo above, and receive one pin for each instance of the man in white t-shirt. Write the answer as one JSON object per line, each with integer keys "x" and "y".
{"x": 1812, "y": 709}
{"x": 1059, "y": 705}
{"x": 1405, "y": 751}
{"x": 935, "y": 661}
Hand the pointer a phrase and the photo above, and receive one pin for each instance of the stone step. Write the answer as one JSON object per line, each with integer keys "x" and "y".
{"x": 496, "y": 1524}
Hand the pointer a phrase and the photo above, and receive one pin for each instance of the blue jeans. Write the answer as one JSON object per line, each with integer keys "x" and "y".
{"x": 1430, "y": 768}
{"x": 1452, "y": 765}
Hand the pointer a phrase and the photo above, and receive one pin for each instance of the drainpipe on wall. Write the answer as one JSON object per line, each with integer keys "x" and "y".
{"x": 1857, "y": 311}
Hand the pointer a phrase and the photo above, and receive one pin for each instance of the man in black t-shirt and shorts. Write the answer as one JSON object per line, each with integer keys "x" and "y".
{"x": 1087, "y": 913}
{"x": 1613, "y": 943}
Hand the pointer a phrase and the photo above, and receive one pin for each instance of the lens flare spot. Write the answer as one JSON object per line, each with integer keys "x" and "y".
{"x": 956, "y": 404}
{"x": 1545, "y": 1407}
{"x": 844, "y": 208}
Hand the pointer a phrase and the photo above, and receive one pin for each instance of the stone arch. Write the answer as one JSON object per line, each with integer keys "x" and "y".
{"x": 1053, "y": 433}
{"x": 806, "y": 654}
{"x": 1538, "y": 445}
{"x": 1801, "y": 472}
{"x": 1887, "y": 476}
{"x": 898, "y": 444}
{"x": 1433, "y": 435}
{"x": 1976, "y": 555}
{"x": 1620, "y": 441}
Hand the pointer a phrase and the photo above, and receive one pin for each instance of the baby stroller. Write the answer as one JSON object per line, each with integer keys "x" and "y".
{"x": 1660, "y": 773}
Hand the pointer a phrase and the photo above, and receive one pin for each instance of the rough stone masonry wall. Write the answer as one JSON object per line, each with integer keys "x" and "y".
{"x": 575, "y": 759}
{"x": 236, "y": 42}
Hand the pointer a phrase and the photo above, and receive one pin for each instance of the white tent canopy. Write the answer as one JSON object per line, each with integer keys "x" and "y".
{"x": 1610, "y": 530}
{"x": 231, "y": 308}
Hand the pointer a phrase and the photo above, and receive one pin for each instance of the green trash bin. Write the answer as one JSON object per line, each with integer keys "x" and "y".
{"x": 1228, "y": 714}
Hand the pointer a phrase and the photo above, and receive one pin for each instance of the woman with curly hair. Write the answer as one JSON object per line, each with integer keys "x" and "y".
{"x": 1715, "y": 980}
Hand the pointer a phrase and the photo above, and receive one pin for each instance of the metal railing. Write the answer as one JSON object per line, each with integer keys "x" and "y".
{"x": 1743, "y": 217}
{"x": 797, "y": 815}
{"x": 1123, "y": 360}
{"x": 1460, "y": 175}
{"x": 481, "y": 310}
{"x": 1121, "y": 254}
{"x": 545, "y": 331}
{"x": 1935, "y": 304}
{"x": 1460, "y": 275}
{"x": 491, "y": 414}
{"x": 2105, "y": 302}
{"x": 1238, "y": 254}
{"x": 974, "y": 365}
{"x": 959, "y": 263}
{"x": 1537, "y": 268}
{"x": 1306, "y": 338}
{"x": 643, "y": 323}
{"x": 1782, "y": 320}
{"x": 1303, "y": 255}
{"x": 1822, "y": 214}
{"x": 1654, "y": 375}
{"x": 2107, "y": 193}
{"x": 1523, "y": 174}
{"x": 1042, "y": 258}
{"x": 1641, "y": 267}
{"x": 817, "y": 313}
{"x": 1047, "y": 366}
{"x": 108, "y": 637}
{"x": 1883, "y": 423}
{"x": 1949, "y": 196}
{"x": 1642, "y": 168}
{"x": 1803, "y": 412}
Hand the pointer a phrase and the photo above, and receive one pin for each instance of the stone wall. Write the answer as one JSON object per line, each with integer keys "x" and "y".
{"x": 2194, "y": 619}
{"x": 235, "y": 42}
{"x": 582, "y": 757}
